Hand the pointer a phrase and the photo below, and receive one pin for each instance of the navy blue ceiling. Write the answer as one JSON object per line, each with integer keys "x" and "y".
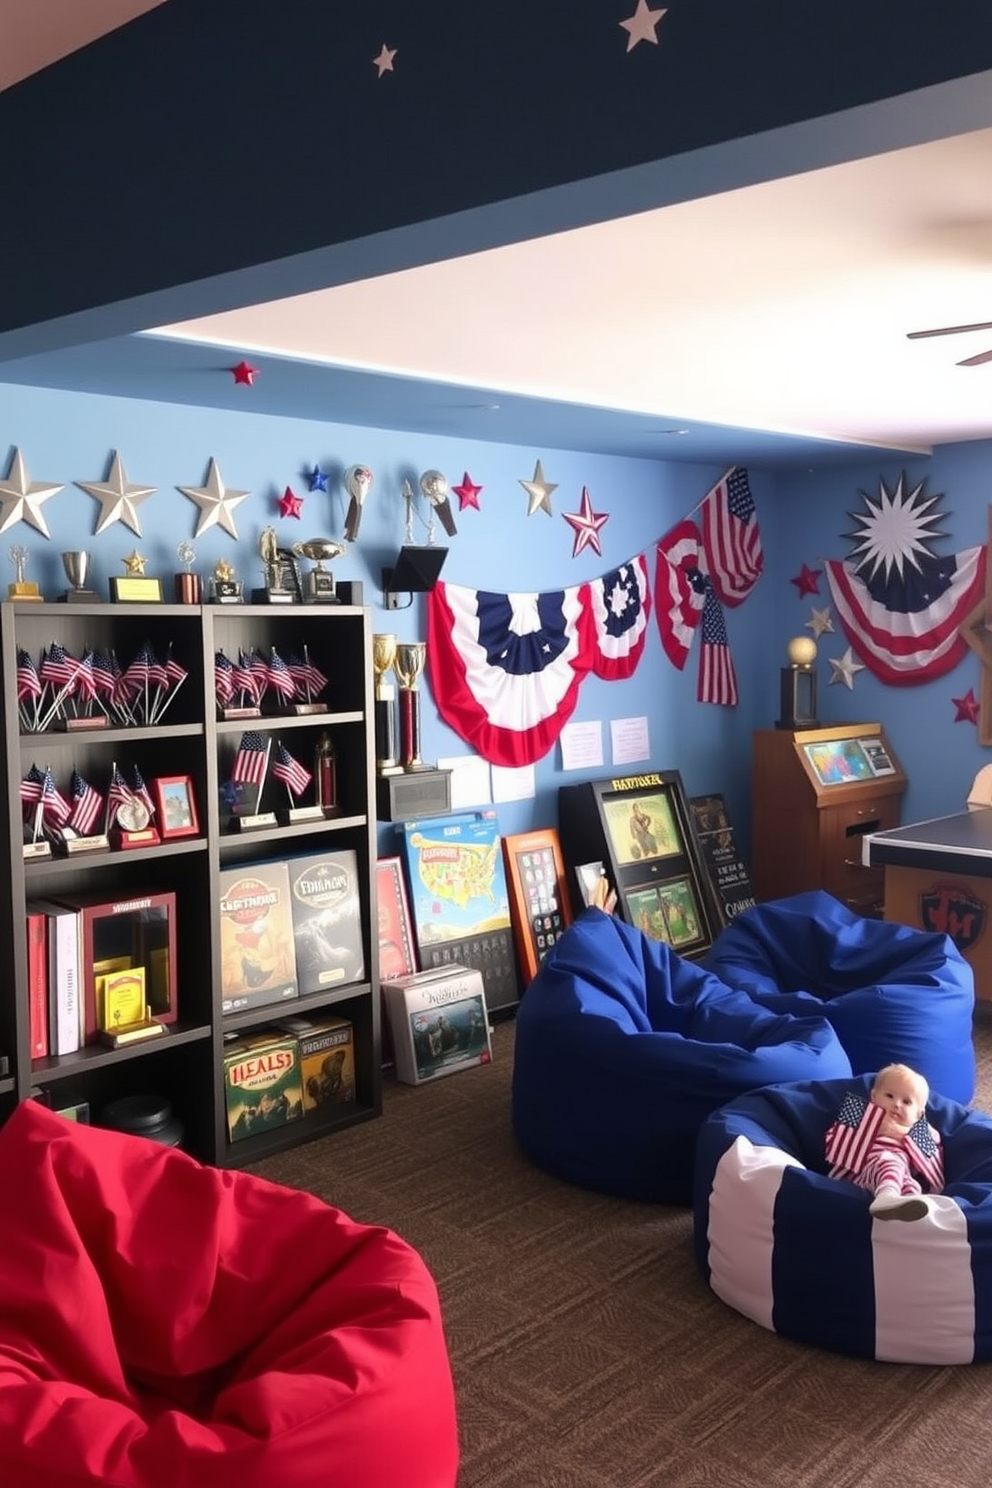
{"x": 214, "y": 153}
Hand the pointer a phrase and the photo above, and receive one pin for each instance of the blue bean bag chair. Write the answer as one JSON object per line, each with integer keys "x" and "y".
{"x": 893, "y": 994}
{"x": 800, "y": 1253}
{"x": 623, "y": 1049}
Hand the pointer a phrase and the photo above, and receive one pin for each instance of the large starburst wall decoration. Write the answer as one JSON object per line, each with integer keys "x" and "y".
{"x": 896, "y": 530}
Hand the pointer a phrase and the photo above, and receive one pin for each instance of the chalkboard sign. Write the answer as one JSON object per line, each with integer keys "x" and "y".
{"x": 726, "y": 872}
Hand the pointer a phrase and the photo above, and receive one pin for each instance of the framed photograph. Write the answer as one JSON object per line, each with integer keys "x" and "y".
{"x": 396, "y": 957}
{"x": 175, "y": 806}
{"x": 539, "y": 902}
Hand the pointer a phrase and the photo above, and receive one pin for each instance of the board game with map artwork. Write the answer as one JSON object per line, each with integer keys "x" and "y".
{"x": 459, "y": 899}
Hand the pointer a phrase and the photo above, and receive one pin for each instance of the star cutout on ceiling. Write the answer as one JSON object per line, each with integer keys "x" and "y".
{"x": 244, "y": 373}
{"x": 467, "y": 493}
{"x": 539, "y": 491}
{"x": 820, "y": 622}
{"x": 384, "y": 61}
{"x": 966, "y": 708}
{"x": 215, "y": 501}
{"x": 643, "y": 24}
{"x": 844, "y": 668}
{"x": 290, "y": 505}
{"x": 807, "y": 581}
{"x": 119, "y": 499}
{"x": 317, "y": 479}
{"x": 21, "y": 498}
{"x": 586, "y": 524}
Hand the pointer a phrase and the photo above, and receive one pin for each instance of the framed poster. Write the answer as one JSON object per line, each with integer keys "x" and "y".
{"x": 396, "y": 957}
{"x": 538, "y": 895}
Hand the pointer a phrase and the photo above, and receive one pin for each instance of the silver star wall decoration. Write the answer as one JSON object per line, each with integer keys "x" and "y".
{"x": 215, "y": 501}
{"x": 21, "y": 498}
{"x": 539, "y": 492}
{"x": 820, "y": 622}
{"x": 843, "y": 669}
{"x": 119, "y": 499}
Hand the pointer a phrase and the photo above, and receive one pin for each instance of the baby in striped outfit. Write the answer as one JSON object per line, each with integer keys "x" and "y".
{"x": 887, "y": 1145}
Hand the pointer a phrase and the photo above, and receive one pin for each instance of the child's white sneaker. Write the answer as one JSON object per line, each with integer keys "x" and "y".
{"x": 888, "y": 1203}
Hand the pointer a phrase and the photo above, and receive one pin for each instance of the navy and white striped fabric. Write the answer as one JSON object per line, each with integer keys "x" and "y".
{"x": 800, "y": 1253}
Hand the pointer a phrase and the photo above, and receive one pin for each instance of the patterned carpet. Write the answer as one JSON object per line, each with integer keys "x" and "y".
{"x": 588, "y": 1353}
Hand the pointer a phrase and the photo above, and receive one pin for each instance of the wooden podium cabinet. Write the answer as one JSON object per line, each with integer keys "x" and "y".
{"x": 815, "y": 794}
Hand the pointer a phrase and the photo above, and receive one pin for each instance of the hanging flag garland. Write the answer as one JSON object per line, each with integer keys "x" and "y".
{"x": 505, "y": 669}
{"x": 900, "y": 604}
{"x": 621, "y": 606}
{"x": 679, "y": 589}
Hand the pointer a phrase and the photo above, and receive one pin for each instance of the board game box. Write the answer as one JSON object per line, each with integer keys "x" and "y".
{"x": 258, "y": 963}
{"x": 439, "y": 1023}
{"x": 459, "y": 899}
{"x": 326, "y": 1049}
{"x": 327, "y": 921}
{"x": 262, "y": 1085}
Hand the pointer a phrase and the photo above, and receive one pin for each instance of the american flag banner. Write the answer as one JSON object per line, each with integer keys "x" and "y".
{"x": 251, "y": 760}
{"x": 87, "y": 805}
{"x": 294, "y": 776}
{"x": 850, "y": 1136}
{"x": 679, "y": 589}
{"x": 731, "y": 537}
{"x": 621, "y": 607}
{"x": 717, "y": 679}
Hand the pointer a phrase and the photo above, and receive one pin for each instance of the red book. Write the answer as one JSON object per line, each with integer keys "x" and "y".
{"x": 37, "y": 923}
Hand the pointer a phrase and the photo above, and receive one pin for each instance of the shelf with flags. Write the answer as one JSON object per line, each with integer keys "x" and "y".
{"x": 93, "y": 690}
{"x": 258, "y": 683}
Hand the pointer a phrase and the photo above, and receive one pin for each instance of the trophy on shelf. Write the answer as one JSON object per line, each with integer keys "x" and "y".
{"x": 798, "y": 691}
{"x": 383, "y": 656}
{"x": 21, "y": 588}
{"x": 411, "y": 658}
{"x": 77, "y": 565}
{"x": 225, "y": 586}
{"x": 281, "y": 572}
{"x": 135, "y": 587}
{"x": 131, "y": 812}
{"x": 188, "y": 585}
{"x": 318, "y": 585}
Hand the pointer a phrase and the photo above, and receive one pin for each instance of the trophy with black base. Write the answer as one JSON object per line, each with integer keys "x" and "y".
{"x": 282, "y": 579}
{"x": 225, "y": 586}
{"x": 318, "y": 583}
{"x": 76, "y": 565}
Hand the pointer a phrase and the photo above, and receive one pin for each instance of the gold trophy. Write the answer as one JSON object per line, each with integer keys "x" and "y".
{"x": 383, "y": 657}
{"x": 21, "y": 588}
{"x": 411, "y": 658}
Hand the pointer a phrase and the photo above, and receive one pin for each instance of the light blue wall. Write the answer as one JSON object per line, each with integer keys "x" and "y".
{"x": 940, "y": 756}
{"x": 69, "y": 437}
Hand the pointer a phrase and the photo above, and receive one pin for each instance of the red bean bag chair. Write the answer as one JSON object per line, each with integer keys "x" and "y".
{"x": 169, "y": 1325}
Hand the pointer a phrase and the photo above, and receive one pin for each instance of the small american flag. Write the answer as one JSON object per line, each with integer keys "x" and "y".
{"x": 28, "y": 681}
{"x": 223, "y": 678}
{"x": 717, "y": 678}
{"x": 731, "y": 537}
{"x": 32, "y": 786}
{"x": 54, "y": 806}
{"x": 851, "y": 1135}
{"x": 119, "y": 791}
{"x": 280, "y": 677}
{"x": 87, "y": 804}
{"x": 251, "y": 759}
{"x": 295, "y": 777}
{"x": 57, "y": 667}
{"x": 143, "y": 793}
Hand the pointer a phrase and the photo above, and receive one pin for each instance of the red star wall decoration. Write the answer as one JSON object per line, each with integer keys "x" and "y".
{"x": 966, "y": 708}
{"x": 467, "y": 493}
{"x": 290, "y": 505}
{"x": 587, "y": 524}
{"x": 807, "y": 581}
{"x": 243, "y": 373}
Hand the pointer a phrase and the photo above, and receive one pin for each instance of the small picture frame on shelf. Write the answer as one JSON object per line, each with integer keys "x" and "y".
{"x": 396, "y": 954}
{"x": 176, "y": 806}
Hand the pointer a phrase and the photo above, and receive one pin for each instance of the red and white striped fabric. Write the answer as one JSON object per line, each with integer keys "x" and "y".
{"x": 679, "y": 589}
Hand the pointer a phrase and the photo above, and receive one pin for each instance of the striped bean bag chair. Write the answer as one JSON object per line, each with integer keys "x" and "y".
{"x": 799, "y": 1252}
